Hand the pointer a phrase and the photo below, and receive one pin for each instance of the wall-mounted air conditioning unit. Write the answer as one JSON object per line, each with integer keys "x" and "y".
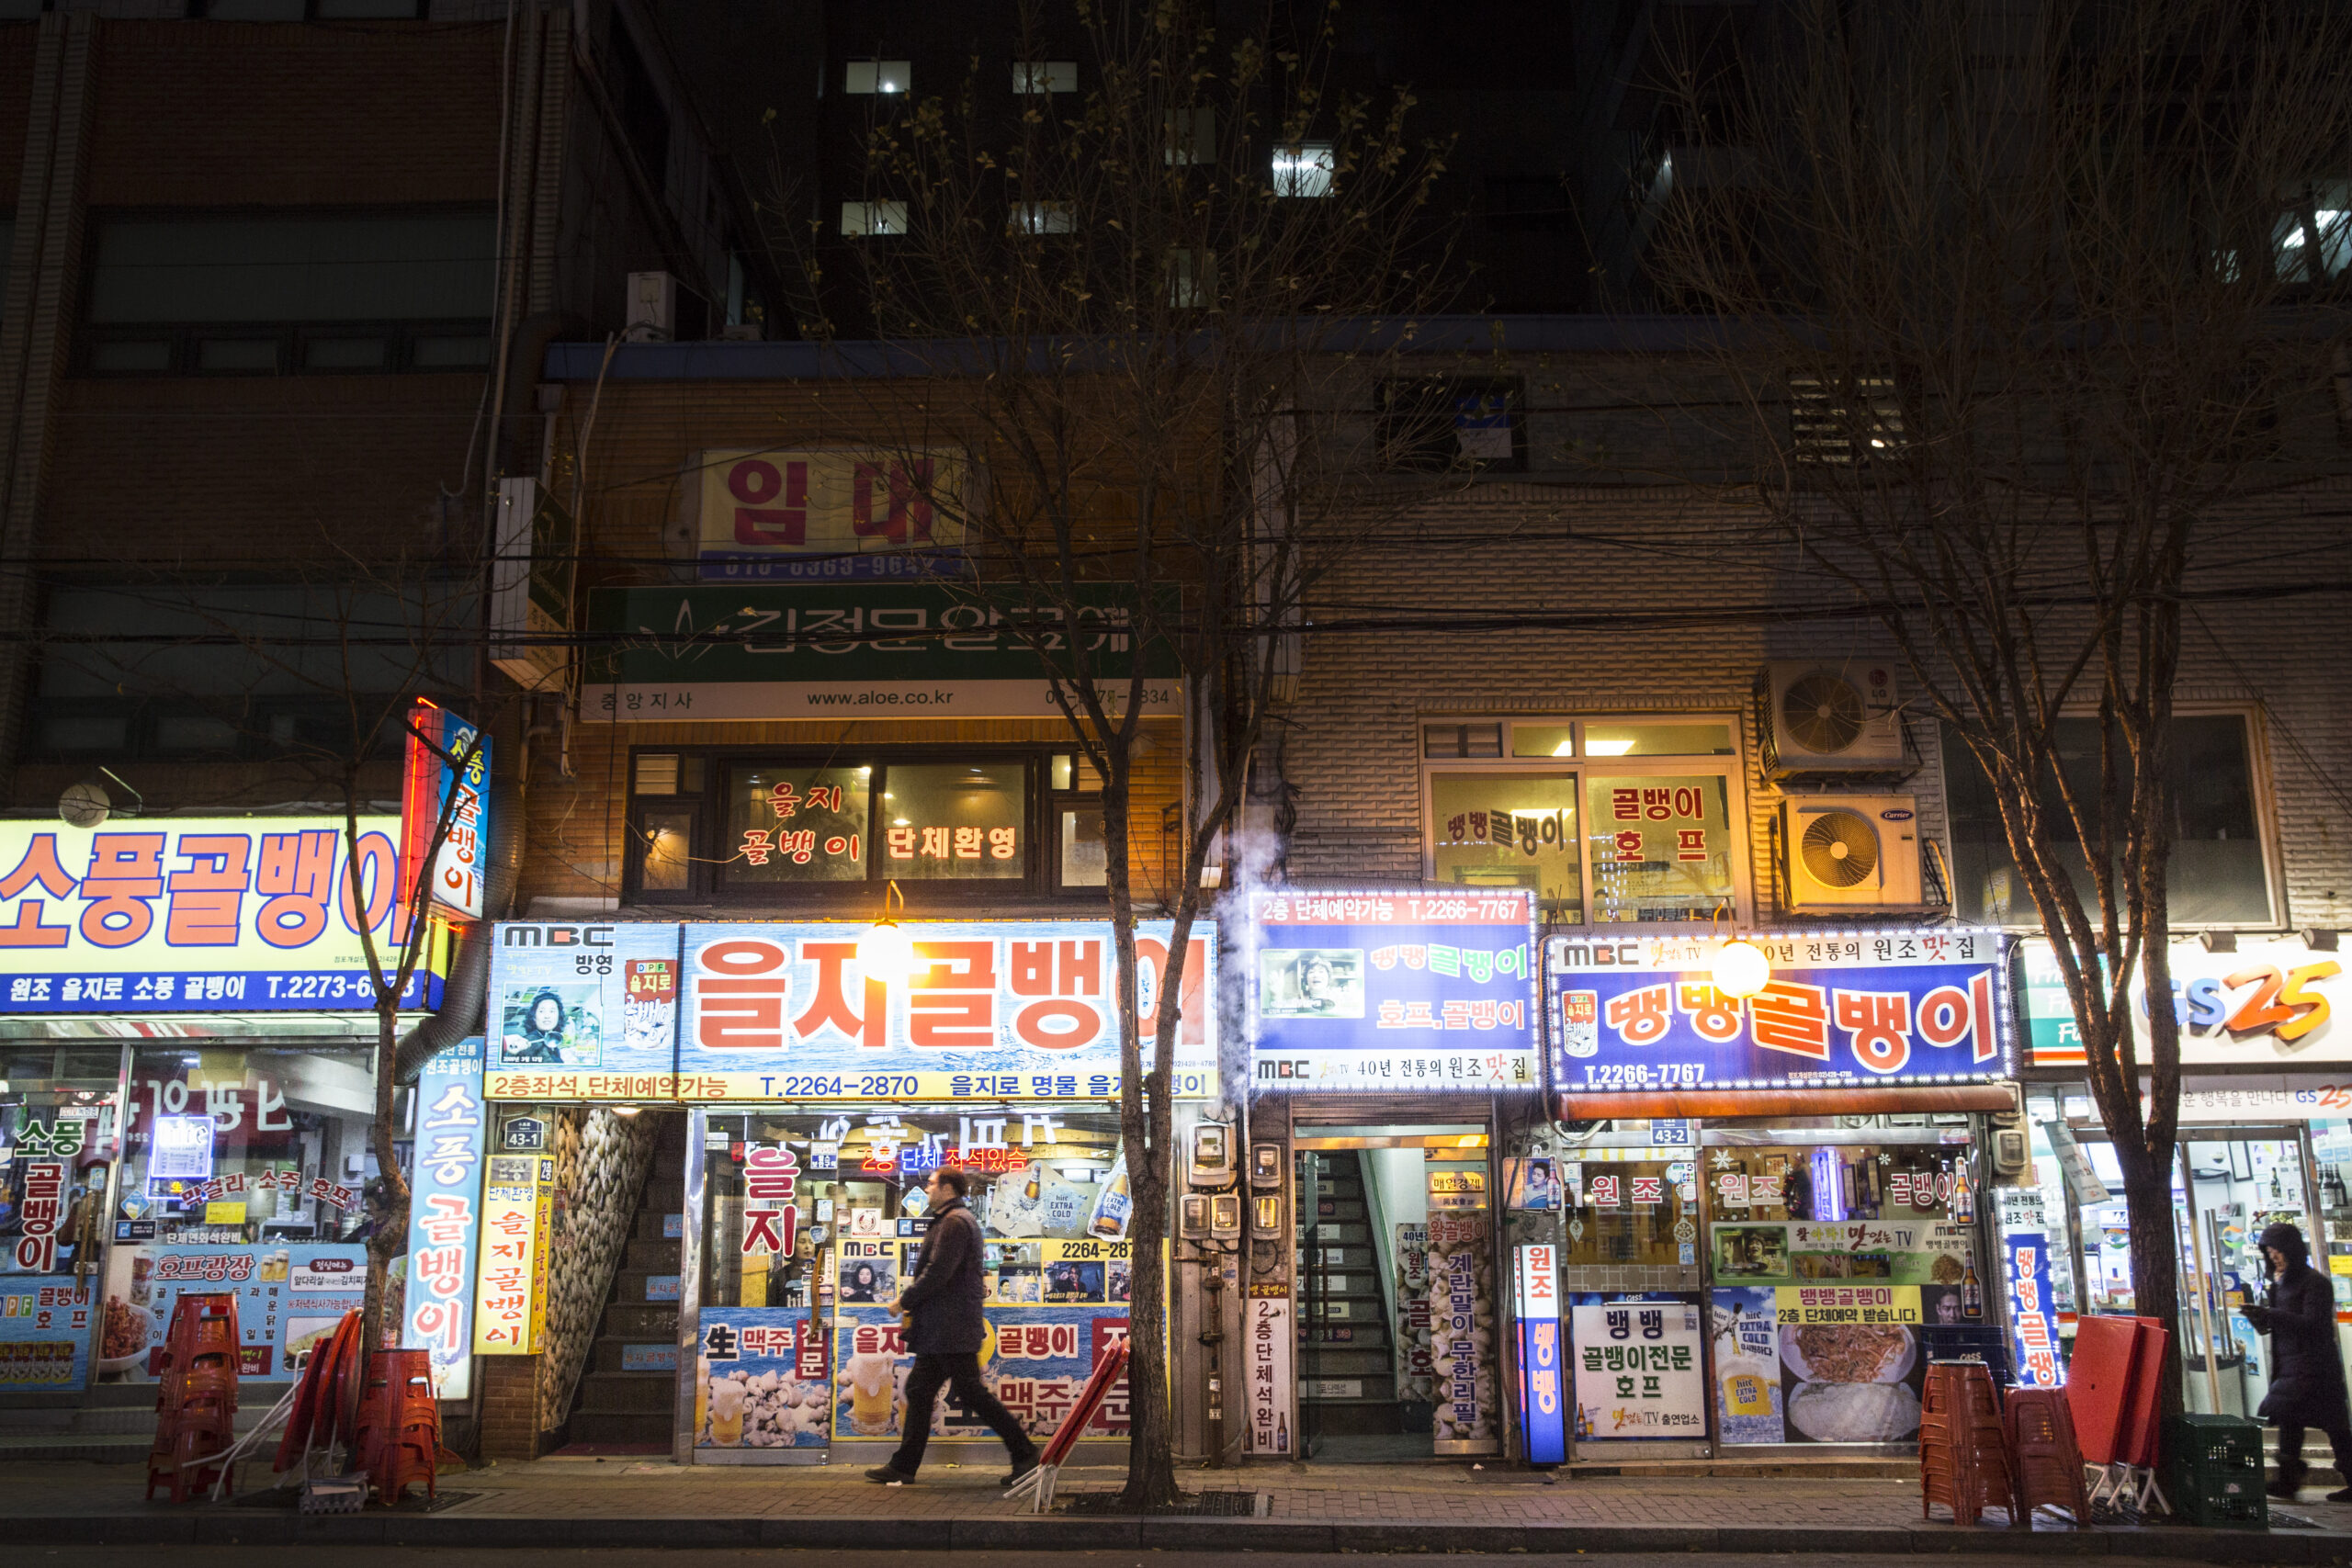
{"x": 1829, "y": 718}
{"x": 1850, "y": 852}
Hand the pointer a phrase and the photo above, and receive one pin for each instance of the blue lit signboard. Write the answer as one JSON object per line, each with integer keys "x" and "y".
{"x": 1638, "y": 1014}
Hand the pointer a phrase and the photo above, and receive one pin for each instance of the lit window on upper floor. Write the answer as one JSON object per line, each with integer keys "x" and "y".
{"x": 876, "y": 77}
{"x": 2312, "y": 241}
{"x": 1844, "y": 422}
{"x": 1302, "y": 170}
{"x": 1045, "y": 76}
{"x": 862, "y": 219}
{"x": 1041, "y": 218}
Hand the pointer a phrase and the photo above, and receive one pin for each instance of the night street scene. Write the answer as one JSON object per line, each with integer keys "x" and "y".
{"x": 1120, "y": 781}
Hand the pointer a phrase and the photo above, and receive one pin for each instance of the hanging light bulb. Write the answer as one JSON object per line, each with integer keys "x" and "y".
{"x": 885, "y": 952}
{"x": 1741, "y": 969}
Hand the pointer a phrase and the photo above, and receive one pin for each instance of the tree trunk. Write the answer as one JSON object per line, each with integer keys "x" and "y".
{"x": 1143, "y": 1122}
{"x": 388, "y": 1237}
{"x": 2155, "y": 1254}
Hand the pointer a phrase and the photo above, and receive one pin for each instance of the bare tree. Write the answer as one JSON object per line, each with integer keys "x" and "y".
{"x": 373, "y": 632}
{"x": 2019, "y": 305}
{"x": 1145, "y": 305}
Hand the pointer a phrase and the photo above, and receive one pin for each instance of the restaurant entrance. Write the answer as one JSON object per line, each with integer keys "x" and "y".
{"x": 1396, "y": 1269}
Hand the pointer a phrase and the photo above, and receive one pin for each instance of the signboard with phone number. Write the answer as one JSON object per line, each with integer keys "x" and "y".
{"x": 1645, "y": 1013}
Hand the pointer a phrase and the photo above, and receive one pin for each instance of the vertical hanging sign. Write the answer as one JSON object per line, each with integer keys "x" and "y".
{"x": 510, "y": 1296}
{"x": 444, "y": 1216}
{"x": 1540, "y": 1414}
{"x": 2030, "y": 1318}
{"x": 1269, "y": 1337}
{"x": 458, "y": 865}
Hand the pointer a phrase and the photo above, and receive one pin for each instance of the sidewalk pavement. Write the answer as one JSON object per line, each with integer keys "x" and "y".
{"x": 622, "y": 1502}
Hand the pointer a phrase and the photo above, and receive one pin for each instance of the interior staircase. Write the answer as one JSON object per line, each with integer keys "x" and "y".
{"x": 1347, "y": 1364}
{"x": 628, "y": 1387}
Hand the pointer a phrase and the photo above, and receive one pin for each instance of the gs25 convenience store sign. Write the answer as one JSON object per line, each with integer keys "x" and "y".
{"x": 2272, "y": 1003}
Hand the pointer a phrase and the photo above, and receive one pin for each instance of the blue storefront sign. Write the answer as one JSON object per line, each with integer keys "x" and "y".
{"x": 2032, "y": 1320}
{"x": 1841, "y": 1009}
{"x": 1543, "y": 1416}
{"x": 1402, "y": 990}
{"x": 444, "y": 1216}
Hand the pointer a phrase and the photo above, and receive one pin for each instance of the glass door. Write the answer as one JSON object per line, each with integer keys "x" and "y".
{"x": 2239, "y": 1180}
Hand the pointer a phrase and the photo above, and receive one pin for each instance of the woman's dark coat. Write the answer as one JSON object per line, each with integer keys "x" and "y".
{"x": 943, "y": 1300}
{"x": 2306, "y": 1364}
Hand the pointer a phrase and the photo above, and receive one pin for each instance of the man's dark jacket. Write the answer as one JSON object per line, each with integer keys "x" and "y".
{"x": 2306, "y": 1366}
{"x": 942, "y": 1300}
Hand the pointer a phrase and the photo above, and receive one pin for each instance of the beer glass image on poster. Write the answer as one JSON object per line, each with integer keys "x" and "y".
{"x": 1746, "y": 1329}
{"x": 762, "y": 1380}
{"x": 1035, "y": 1359}
{"x": 1640, "y": 1371}
{"x": 1313, "y": 982}
{"x": 551, "y": 1026}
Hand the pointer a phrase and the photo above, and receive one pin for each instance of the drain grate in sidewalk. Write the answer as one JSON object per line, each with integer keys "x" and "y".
{"x": 1193, "y": 1504}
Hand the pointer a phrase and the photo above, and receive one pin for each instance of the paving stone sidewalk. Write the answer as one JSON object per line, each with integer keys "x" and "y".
{"x": 623, "y": 1501}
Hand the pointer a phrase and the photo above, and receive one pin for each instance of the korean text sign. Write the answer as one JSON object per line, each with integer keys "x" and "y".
{"x": 290, "y": 1296}
{"x": 817, "y": 514}
{"x": 1542, "y": 1415}
{"x": 1639, "y": 1366}
{"x": 241, "y": 914}
{"x": 444, "y": 1216}
{"x": 1892, "y": 1007}
{"x": 458, "y": 865}
{"x": 1406, "y": 990}
{"x": 755, "y": 1012}
{"x": 2031, "y": 1316}
{"x": 45, "y": 1323}
{"x": 865, "y": 650}
{"x": 510, "y": 1287}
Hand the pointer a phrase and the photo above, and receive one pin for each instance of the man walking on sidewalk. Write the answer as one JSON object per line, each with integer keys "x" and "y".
{"x": 2306, "y": 1367}
{"x": 940, "y": 1307}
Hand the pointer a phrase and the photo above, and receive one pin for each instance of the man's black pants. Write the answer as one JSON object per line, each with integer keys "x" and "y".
{"x": 963, "y": 1370}
{"x": 2291, "y": 1466}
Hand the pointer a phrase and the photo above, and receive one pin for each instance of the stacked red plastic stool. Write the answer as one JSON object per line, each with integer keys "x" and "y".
{"x": 196, "y": 1409}
{"x": 1963, "y": 1446}
{"x": 399, "y": 1424}
{"x": 2046, "y": 1463}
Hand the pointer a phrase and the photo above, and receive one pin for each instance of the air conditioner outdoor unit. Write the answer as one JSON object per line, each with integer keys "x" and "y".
{"x": 1823, "y": 718}
{"x": 1850, "y": 852}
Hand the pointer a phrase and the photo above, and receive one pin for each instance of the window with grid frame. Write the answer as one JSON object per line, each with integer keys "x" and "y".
{"x": 1843, "y": 421}
{"x": 1610, "y": 820}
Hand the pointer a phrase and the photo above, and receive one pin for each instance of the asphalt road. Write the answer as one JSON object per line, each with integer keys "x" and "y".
{"x": 432, "y": 1557}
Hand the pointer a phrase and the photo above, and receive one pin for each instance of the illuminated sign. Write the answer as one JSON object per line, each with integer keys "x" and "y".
{"x": 460, "y": 863}
{"x": 1841, "y": 1009}
{"x": 238, "y": 914}
{"x": 2270, "y": 1002}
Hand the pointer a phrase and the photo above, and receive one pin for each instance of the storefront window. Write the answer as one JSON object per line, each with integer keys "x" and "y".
{"x": 1661, "y": 846}
{"x": 1841, "y": 1269}
{"x": 1510, "y": 830}
{"x": 813, "y": 1223}
{"x": 246, "y": 1169}
{"x": 1631, "y": 1206}
{"x": 789, "y": 824}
